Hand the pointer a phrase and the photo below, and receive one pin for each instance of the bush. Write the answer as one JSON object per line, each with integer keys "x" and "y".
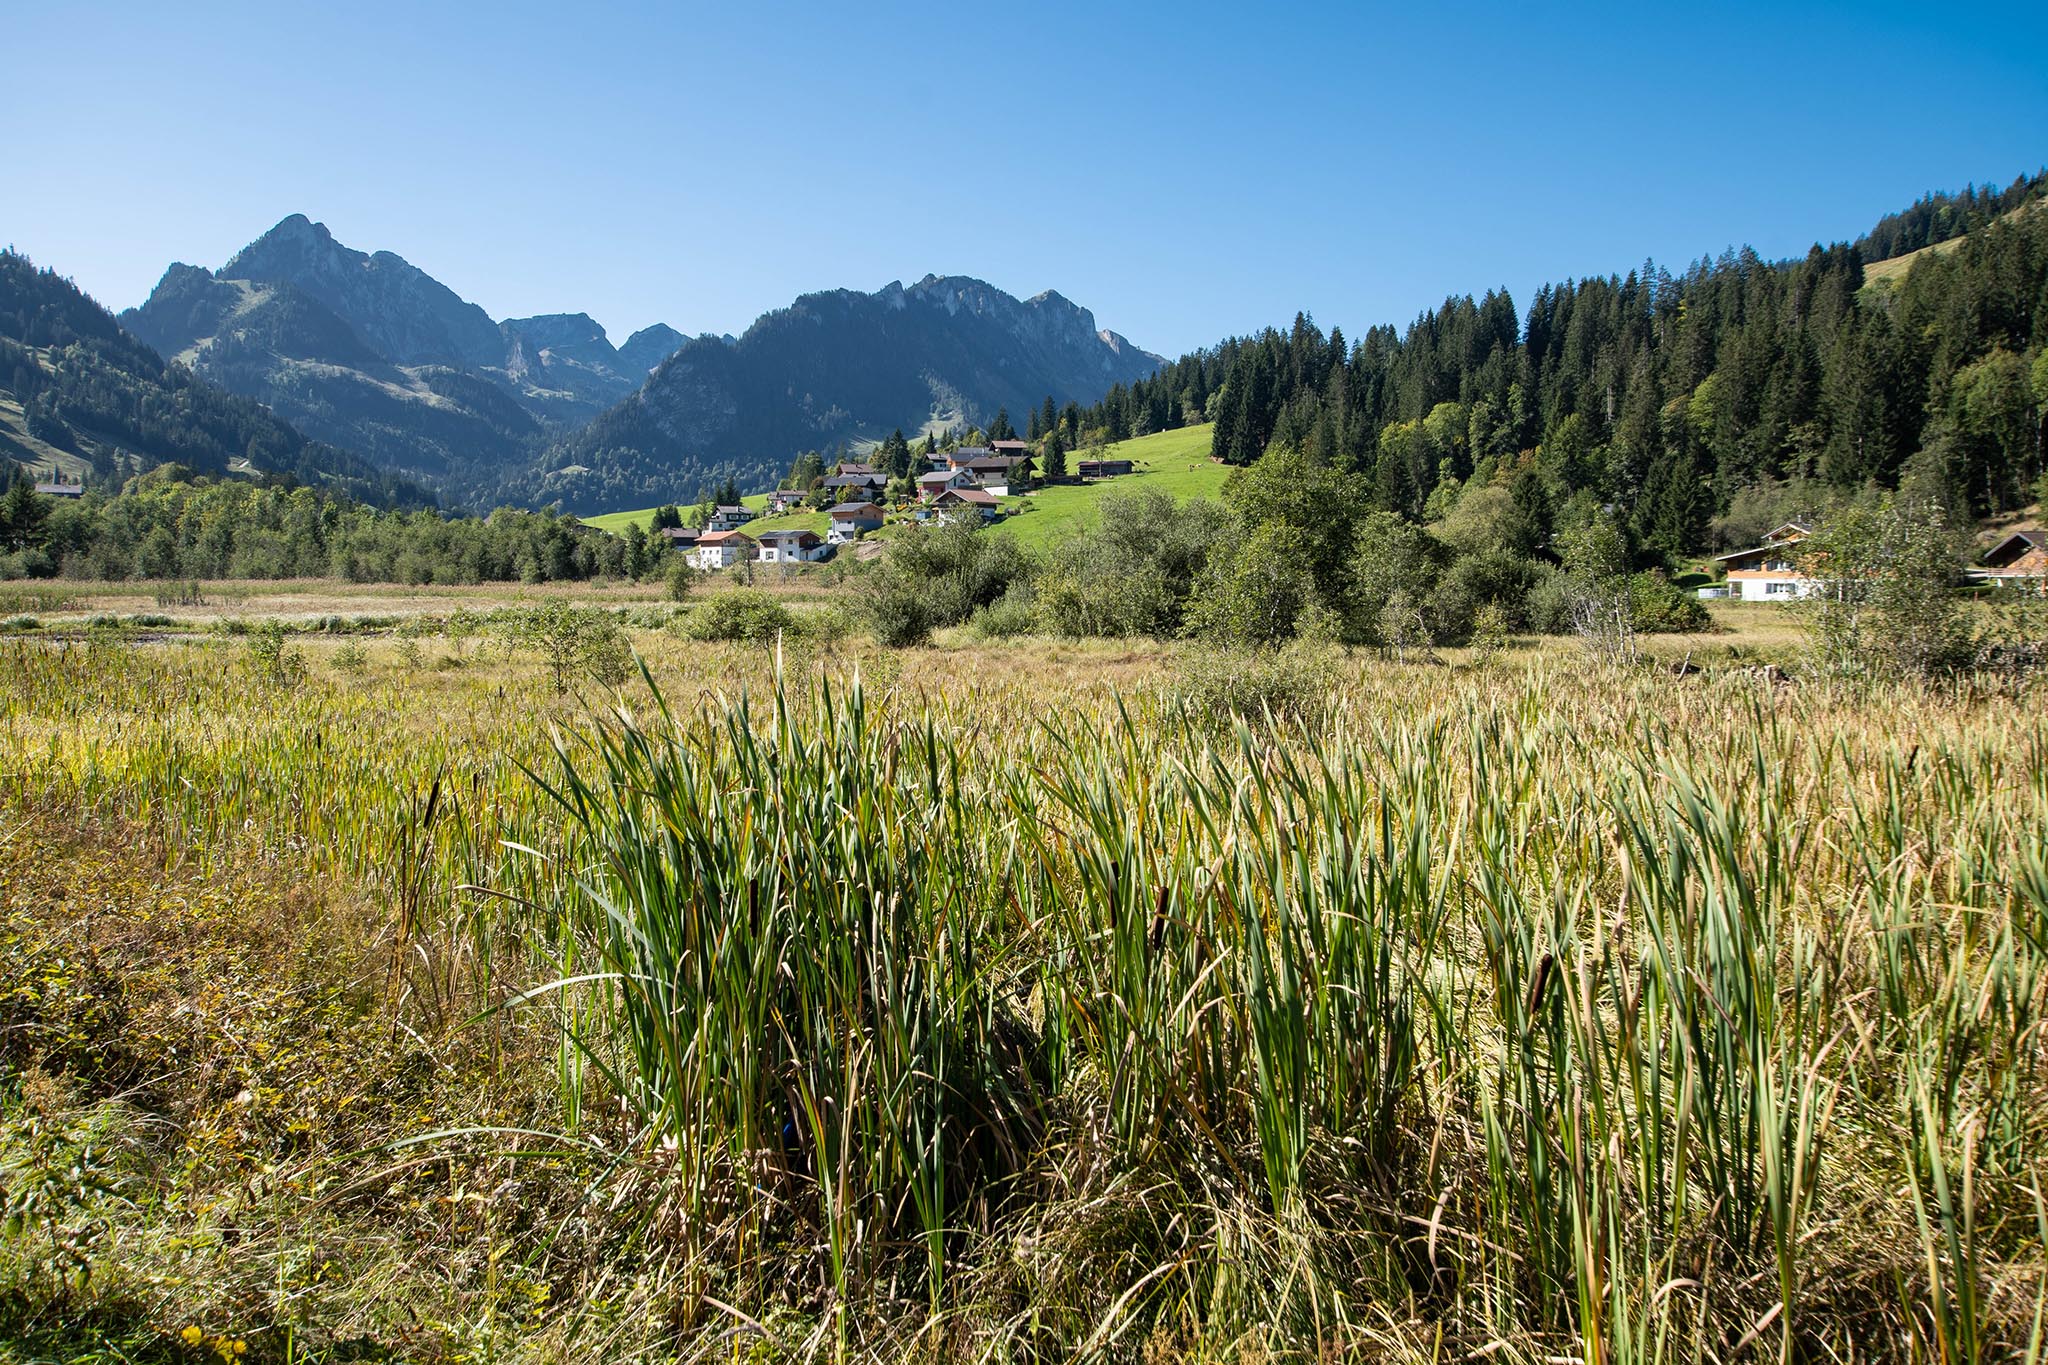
{"x": 937, "y": 577}
{"x": 1288, "y": 685}
{"x": 352, "y": 659}
{"x": 274, "y": 661}
{"x": 682, "y": 579}
{"x": 1657, "y": 606}
{"x": 572, "y": 639}
{"x": 21, "y": 623}
{"x": 1012, "y": 614}
{"x": 743, "y": 614}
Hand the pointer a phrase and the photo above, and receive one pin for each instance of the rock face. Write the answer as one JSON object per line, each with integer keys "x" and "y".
{"x": 836, "y": 366}
{"x": 371, "y": 353}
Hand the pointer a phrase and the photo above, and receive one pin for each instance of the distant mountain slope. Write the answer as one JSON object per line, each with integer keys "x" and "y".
{"x": 80, "y": 396}
{"x": 372, "y": 353}
{"x": 835, "y": 366}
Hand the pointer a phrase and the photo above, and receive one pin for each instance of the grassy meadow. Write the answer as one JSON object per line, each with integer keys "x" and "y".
{"x": 1175, "y": 462}
{"x": 1031, "y": 1000}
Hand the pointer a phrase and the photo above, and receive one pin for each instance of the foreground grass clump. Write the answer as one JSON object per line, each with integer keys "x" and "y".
{"x": 974, "y": 1009}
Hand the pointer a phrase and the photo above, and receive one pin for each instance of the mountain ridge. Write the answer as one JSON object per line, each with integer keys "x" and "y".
{"x": 368, "y": 352}
{"x": 835, "y": 366}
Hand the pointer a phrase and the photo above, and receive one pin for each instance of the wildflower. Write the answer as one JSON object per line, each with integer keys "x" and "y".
{"x": 191, "y": 1336}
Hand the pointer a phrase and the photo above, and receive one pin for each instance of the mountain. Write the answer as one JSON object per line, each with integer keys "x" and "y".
{"x": 372, "y": 353}
{"x": 835, "y": 366}
{"x": 648, "y": 347}
{"x": 82, "y": 398}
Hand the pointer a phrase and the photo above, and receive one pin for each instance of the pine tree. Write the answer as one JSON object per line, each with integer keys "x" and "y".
{"x": 1000, "y": 429}
{"x": 1055, "y": 456}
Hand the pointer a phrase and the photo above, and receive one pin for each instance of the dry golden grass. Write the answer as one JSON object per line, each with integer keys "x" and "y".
{"x": 241, "y": 968}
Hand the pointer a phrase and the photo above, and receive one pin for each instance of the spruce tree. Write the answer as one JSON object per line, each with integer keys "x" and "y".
{"x": 1055, "y": 457}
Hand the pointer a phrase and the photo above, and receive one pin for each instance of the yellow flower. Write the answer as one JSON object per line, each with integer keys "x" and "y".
{"x": 240, "y": 1346}
{"x": 192, "y": 1336}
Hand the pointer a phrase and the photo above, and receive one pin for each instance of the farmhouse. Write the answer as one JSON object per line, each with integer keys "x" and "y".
{"x": 864, "y": 481}
{"x": 999, "y": 473}
{"x": 967, "y": 455}
{"x": 852, "y": 520}
{"x": 60, "y": 489}
{"x": 680, "y": 537}
{"x": 965, "y": 504}
{"x": 791, "y": 547}
{"x": 1768, "y": 573}
{"x": 727, "y": 518}
{"x": 1011, "y": 450}
{"x": 1101, "y": 469}
{"x": 2018, "y": 561}
{"x": 723, "y": 549}
{"x": 782, "y": 499}
{"x": 929, "y": 486}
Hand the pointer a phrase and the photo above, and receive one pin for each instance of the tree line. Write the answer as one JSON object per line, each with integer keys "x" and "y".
{"x": 1673, "y": 399}
{"x": 172, "y": 523}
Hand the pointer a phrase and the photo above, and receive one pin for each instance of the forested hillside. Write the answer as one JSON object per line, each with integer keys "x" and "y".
{"x": 1672, "y": 397}
{"x": 79, "y": 394}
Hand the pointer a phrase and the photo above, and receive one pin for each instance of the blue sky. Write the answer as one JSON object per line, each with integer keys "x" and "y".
{"x": 1185, "y": 170}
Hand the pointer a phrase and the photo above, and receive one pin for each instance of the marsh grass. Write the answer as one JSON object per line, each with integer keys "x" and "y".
{"x": 1515, "y": 1010}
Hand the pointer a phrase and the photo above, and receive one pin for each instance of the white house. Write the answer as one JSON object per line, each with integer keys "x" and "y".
{"x": 1770, "y": 572}
{"x": 791, "y": 547}
{"x": 852, "y": 520}
{"x": 782, "y": 499}
{"x": 729, "y": 518}
{"x": 723, "y": 549}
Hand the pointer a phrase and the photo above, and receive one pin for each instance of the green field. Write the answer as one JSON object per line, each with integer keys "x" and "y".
{"x": 1175, "y": 462}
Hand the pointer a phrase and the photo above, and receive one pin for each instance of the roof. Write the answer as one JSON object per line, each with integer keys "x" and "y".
{"x": 853, "y": 467}
{"x": 995, "y": 463}
{"x": 1791, "y": 533}
{"x": 854, "y": 480}
{"x": 968, "y": 453}
{"x": 978, "y": 496}
{"x": 787, "y": 493}
{"x": 938, "y": 476}
{"x": 679, "y": 532}
{"x": 725, "y": 507}
{"x": 61, "y": 490}
{"x": 724, "y": 538}
{"x": 1009, "y": 447}
{"x": 2015, "y": 546}
{"x": 846, "y": 511}
{"x": 790, "y": 533}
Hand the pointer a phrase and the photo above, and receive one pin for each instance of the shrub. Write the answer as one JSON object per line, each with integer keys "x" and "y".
{"x": 352, "y": 659}
{"x": 274, "y": 661}
{"x": 1659, "y": 606}
{"x": 939, "y": 576}
{"x": 1292, "y": 684}
{"x": 743, "y": 614}
{"x": 1012, "y": 614}
{"x": 682, "y": 579}
{"x": 571, "y": 639}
